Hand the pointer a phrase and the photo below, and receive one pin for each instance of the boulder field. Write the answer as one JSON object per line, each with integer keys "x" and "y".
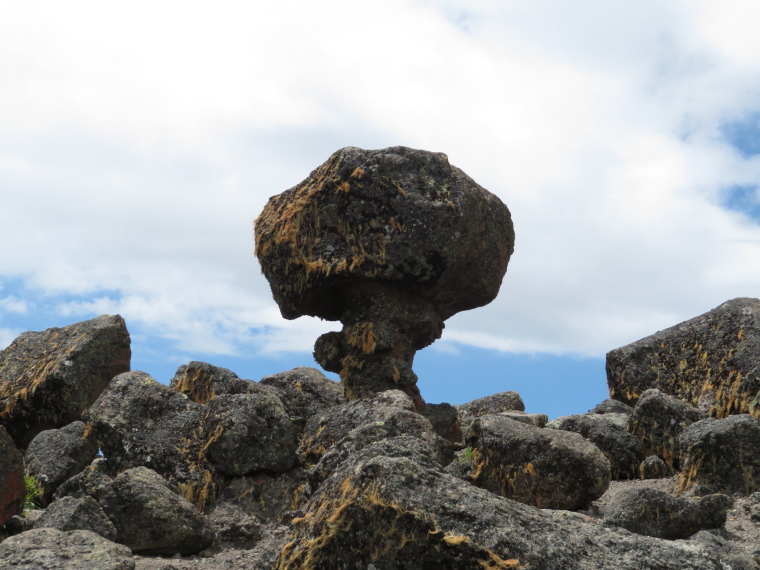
{"x": 209, "y": 470}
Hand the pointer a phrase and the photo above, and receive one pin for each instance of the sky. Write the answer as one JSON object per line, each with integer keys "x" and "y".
{"x": 138, "y": 142}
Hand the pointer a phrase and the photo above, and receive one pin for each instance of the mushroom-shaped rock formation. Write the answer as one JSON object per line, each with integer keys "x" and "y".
{"x": 391, "y": 243}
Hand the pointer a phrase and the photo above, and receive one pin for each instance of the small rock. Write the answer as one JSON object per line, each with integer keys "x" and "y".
{"x": 654, "y": 468}
{"x": 71, "y": 513}
{"x": 501, "y": 402}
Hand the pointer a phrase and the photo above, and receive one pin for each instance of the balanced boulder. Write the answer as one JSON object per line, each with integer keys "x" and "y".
{"x": 391, "y": 243}
{"x": 711, "y": 362}
{"x": 545, "y": 468}
{"x": 47, "y": 379}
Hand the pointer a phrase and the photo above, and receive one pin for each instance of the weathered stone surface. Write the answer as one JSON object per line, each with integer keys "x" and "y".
{"x": 304, "y": 392}
{"x": 657, "y": 420}
{"x": 268, "y": 497}
{"x": 56, "y": 455}
{"x": 151, "y": 517}
{"x": 660, "y": 514}
{"x": 387, "y": 513}
{"x": 545, "y": 468}
{"x": 233, "y": 527}
{"x": 605, "y": 431}
{"x": 721, "y": 455}
{"x": 140, "y": 422}
{"x": 445, "y": 421}
{"x": 90, "y": 482}
{"x": 12, "y": 487}
{"x": 325, "y": 430}
{"x": 654, "y": 468}
{"x": 70, "y": 513}
{"x": 391, "y": 243}
{"x": 711, "y": 362}
{"x": 501, "y": 402}
{"x": 52, "y": 549}
{"x": 201, "y": 381}
{"x": 610, "y": 406}
{"x": 254, "y": 434}
{"x": 48, "y": 378}
{"x": 538, "y": 420}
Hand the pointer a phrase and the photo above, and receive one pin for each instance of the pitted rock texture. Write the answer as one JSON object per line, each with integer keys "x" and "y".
{"x": 201, "y": 381}
{"x": 70, "y": 513}
{"x": 546, "y": 468}
{"x": 721, "y": 455}
{"x": 391, "y": 243}
{"x": 47, "y": 379}
{"x": 52, "y": 549}
{"x": 711, "y": 362}
{"x": 12, "y": 488}
{"x": 493, "y": 404}
{"x": 657, "y": 420}
{"x": 660, "y": 514}
{"x": 56, "y": 455}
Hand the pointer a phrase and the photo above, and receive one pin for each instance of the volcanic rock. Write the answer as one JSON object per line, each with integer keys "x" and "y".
{"x": 654, "y": 468}
{"x": 201, "y": 382}
{"x": 70, "y": 513}
{"x": 445, "y": 421}
{"x": 501, "y": 402}
{"x": 657, "y": 420}
{"x": 660, "y": 514}
{"x": 610, "y": 406}
{"x": 90, "y": 482}
{"x": 52, "y": 549}
{"x": 56, "y": 455}
{"x": 48, "y": 378}
{"x": 545, "y": 468}
{"x": 12, "y": 487}
{"x": 151, "y": 517}
{"x": 711, "y": 362}
{"x": 606, "y": 432}
{"x": 721, "y": 455}
{"x": 391, "y": 243}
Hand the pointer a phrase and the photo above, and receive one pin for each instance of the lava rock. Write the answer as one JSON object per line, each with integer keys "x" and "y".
{"x": 233, "y": 527}
{"x": 445, "y": 421}
{"x": 304, "y": 392}
{"x": 151, "y": 517}
{"x": 537, "y": 420}
{"x": 656, "y": 513}
{"x": 605, "y": 431}
{"x": 711, "y": 362}
{"x": 501, "y": 402}
{"x": 391, "y": 243}
{"x": 545, "y": 468}
{"x": 654, "y": 468}
{"x": 90, "y": 482}
{"x": 201, "y": 382}
{"x": 70, "y": 513}
{"x": 56, "y": 455}
{"x": 391, "y": 512}
{"x": 47, "y": 379}
{"x": 254, "y": 434}
{"x": 610, "y": 406}
{"x": 657, "y": 420}
{"x": 268, "y": 497}
{"x": 12, "y": 486}
{"x": 140, "y": 422}
{"x": 722, "y": 455}
{"x": 52, "y": 549}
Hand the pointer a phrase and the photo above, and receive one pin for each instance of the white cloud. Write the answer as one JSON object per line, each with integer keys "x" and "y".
{"x": 13, "y": 304}
{"x": 140, "y": 143}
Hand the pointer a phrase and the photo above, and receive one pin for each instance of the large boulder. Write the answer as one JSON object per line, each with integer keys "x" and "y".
{"x": 304, "y": 392}
{"x": 657, "y": 420}
{"x": 721, "y": 455}
{"x": 542, "y": 467}
{"x": 70, "y": 513}
{"x": 711, "y": 362}
{"x": 12, "y": 487}
{"x": 391, "y": 243}
{"x": 391, "y": 512}
{"x": 140, "y": 422}
{"x": 151, "y": 517}
{"x": 47, "y": 379}
{"x": 657, "y": 513}
{"x": 56, "y": 455}
{"x": 255, "y": 434}
{"x": 52, "y": 549}
{"x": 606, "y": 432}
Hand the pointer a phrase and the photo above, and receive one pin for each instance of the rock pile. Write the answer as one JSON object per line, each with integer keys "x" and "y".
{"x": 222, "y": 472}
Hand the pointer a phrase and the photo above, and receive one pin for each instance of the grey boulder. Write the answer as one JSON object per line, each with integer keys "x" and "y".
{"x": 70, "y": 513}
